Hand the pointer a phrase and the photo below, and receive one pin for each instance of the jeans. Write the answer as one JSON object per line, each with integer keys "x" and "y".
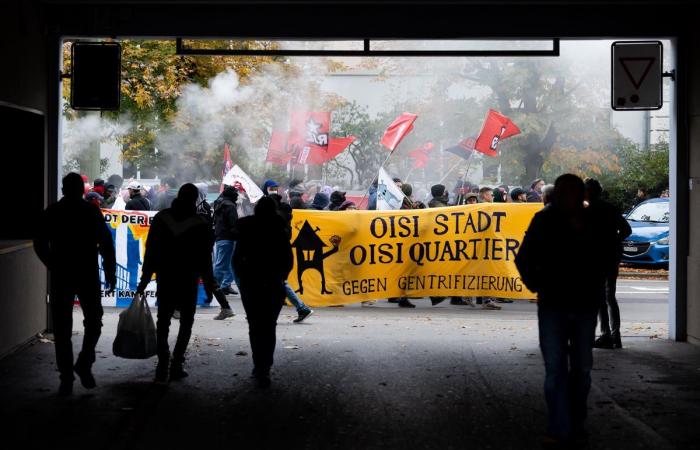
{"x": 566, "y": 341}
{"x": 609, "y": 309}
{"x": 294, "y": 298}
{"x": 223, "y": 268}
{"x": 63, "y": 293}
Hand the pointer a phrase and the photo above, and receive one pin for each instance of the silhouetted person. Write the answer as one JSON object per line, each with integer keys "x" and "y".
{"x": 71, "y": 234}
{"x": 641, "y": 196}
{"x": 262, "y": 260}
{"x": 614, "y": 230}
{"x": 178, "y": 251}
{"x": 569, "y": 285}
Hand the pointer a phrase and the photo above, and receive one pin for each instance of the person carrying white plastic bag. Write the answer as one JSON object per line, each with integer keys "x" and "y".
{"x": 136, "y": 332}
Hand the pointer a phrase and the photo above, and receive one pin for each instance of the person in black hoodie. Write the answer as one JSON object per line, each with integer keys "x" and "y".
{"x": 569, "y": 286}
{"x": 262, "y": 260}
{"x": 616, "y": 229}
{"x": 337, "y": 199}
{"x": 225, "y": 218}
{"x": 178, "y": 252}
{"x": 74, "y": 232}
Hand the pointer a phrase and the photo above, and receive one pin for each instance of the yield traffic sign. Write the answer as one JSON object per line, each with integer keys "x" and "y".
{"x": 637, "y": 75}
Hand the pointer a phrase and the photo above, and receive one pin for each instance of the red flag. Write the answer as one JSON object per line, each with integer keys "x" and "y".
{"x": 421, "y": 155}
{"x": 335, "y": 147}
{"x": 227, "y": 160}
{"x": 277, "y": 151}
{"x": 399, "y": 128}
{"x": 308, "y": 131}
{"x": 496, "y": 127}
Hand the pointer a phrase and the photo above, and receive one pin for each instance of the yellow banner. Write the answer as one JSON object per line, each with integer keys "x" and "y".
{"x": 352, "y": 256}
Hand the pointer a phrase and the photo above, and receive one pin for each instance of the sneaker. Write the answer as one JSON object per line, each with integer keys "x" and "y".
{"x": 503, "y": 300}
{"x": 65, "y": 388}
{"x": 490, "y": 305}
{"x": 393, "y": 300}
{"x": 604, "y": 341}
{"x": 479, "y": 300}
{"x": 229, "y": 291}
{"x": 370, "y": 303}
{"x": 303, "y": 315}
{"x": 225, "y": 313}
{"x": 176, "y": 315}
{"x": 406, "y": 303}
{"x": 161, "y": 373}
{"x": 85, "y": 375}
{"x": 177, "y": 372}
{"x": 468, "y": 302}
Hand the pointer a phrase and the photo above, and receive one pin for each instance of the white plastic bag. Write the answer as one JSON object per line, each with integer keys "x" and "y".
{"x": 136, "y": 332}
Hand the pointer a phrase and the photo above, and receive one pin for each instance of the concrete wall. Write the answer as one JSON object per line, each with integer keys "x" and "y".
{"x": 22, "y": 84}
{"x": 693, "y": 254}
{"x": 23, "y": 305}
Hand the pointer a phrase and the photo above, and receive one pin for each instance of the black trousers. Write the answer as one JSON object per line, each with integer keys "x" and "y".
{"x": 175, "y": 295}
{"x": 609, "y": 309}
{"x": 63, "y": 292}
{"x": 262, "y": 301}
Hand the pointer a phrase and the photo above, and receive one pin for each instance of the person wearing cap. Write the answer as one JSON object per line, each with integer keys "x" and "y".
{"x": 337, "y": 199}
{"x": 347, "y": 205}
{"x": 518, "y": 195}
{"x": 95, "y": 199}
{"x": 471, "y": 198}
{"x": 320, "y": 201}
{"x": 137, "y": 202}
{"x": 270, "y": 187}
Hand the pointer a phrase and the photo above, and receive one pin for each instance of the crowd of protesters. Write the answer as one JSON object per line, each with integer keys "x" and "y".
{"x": 191, "y": 241}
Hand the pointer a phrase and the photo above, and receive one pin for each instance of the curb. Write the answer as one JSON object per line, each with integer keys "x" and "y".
{"x": 642, "y": 275}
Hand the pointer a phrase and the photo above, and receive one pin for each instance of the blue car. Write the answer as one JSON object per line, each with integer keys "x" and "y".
{"x": 648, "y": 243}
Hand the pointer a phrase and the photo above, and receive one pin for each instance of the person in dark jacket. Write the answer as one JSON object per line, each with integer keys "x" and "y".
{"x": 178, "y": 252}
{"x": 74, "y": 232}
{"x": 518, "y": 195}
{"x": 262, "y": 260}
{"x": 534, "y": 195}
{"x": 286, "y": 212}
{"x": 440, "y": 196}
{"x": 337, "y": 199}
{"x": 225, "y": 218}
{"x": 569, "y": 285}
{"x": 616, "y": 229}
{"x": 168, "y": 192}
{"x": 320, "y": 201}
{"x": 372, "y": 199}
{"x": 137, "y": 202}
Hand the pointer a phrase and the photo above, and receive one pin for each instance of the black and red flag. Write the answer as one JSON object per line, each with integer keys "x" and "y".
{"x": 464, "y": 149}
{"x": 496, "y": 128}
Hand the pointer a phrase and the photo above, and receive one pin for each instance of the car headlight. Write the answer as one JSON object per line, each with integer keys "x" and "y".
{"x": 663, "y": 241}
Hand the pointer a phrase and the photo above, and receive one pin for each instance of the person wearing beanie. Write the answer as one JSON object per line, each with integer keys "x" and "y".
{"x": 70, "y": 248}
{"x": 518, "y": 195}
{"x": 320, "y": 201}
{"x": 337, "y": 199}
{"x": 178, "y": 252}
{"x": 534, "y": 195}
{"x": 439, "y": 193}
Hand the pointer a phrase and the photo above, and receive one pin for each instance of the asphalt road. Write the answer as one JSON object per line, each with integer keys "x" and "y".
{"x": 379, "y": 377}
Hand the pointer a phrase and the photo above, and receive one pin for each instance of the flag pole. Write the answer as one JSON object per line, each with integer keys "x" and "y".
{"x": 376, "y": 176}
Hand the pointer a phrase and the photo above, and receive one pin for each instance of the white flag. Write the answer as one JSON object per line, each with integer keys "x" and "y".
{"x": 236, "y": 175}
{"x": 389, "y": 195}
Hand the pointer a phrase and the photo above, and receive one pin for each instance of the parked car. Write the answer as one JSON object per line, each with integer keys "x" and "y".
{"x": 648, "y": 243}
